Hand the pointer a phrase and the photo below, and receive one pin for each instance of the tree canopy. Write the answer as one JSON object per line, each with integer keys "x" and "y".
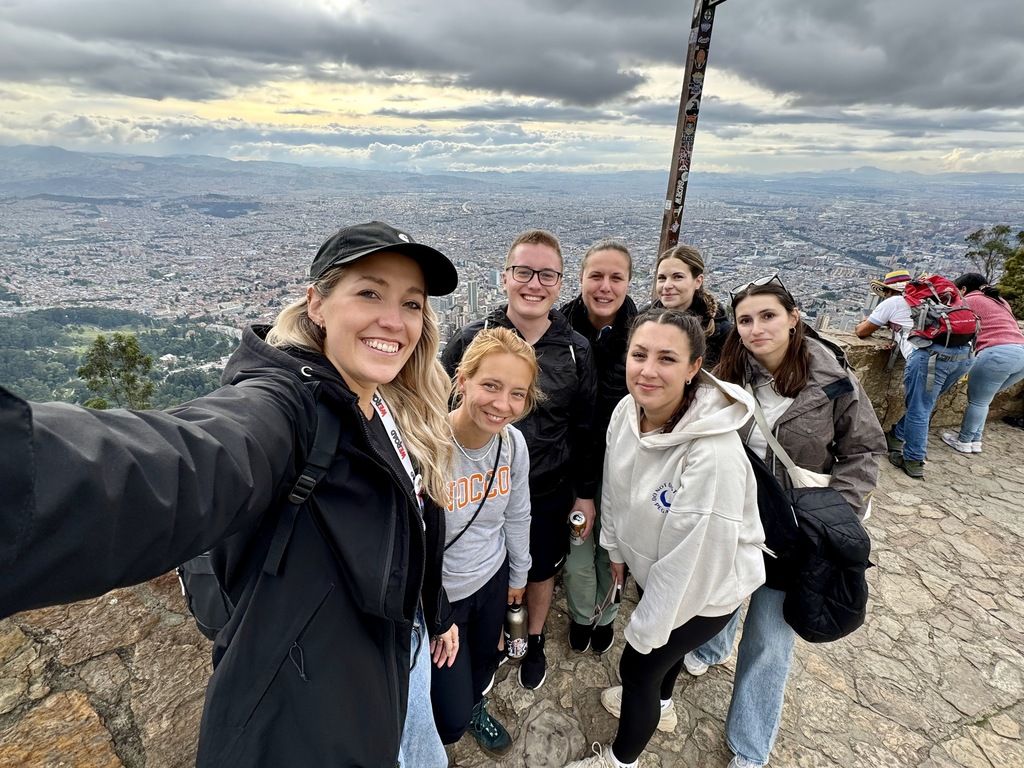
{"x": 990, "y": 247}
{"x": 118, "y": 372}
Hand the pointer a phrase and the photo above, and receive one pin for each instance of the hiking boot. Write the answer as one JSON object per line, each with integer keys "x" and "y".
{"x": 602, "y": 637}
{"x": 1014, "y": 421}
{"x": 911, "y": 467}
{"x": 952, "y": 439}
{"x": 600, "y": 758}
{"x": 579, "y": 636}
{"x": 488, "y": 732}
{"x": 694, "y": 665}
{"x": 611, "y": 699}
{"x": 534, "y": 668}
{"x": 892, "y": 442}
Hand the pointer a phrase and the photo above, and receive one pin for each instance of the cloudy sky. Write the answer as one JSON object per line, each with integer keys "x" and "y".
{"x": 925, "y": 85}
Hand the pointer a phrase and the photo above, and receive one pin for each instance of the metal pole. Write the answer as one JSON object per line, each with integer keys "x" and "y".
{"x": 686, "y": 124}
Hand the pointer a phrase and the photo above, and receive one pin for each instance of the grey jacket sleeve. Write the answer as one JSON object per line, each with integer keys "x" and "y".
{"x": 517, "y": 514}
{"x": 94, "y": 500}
{"x": 859, "y": 442}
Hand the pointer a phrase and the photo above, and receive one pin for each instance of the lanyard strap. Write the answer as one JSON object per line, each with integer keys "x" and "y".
{"x": 396, "y": 442}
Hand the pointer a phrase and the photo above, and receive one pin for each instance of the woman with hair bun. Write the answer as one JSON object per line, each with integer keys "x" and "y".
{"x": 679, "y": 284}
{"x": 999, "y": 363}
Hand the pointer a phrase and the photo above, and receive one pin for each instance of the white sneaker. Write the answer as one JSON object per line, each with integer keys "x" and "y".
{"x": 742, "y": 762}
{"x": 611, "y": 699}
{"x": 952, "y": 439}
{"x": 599, "y": 759}
{"x": 693, "y": 665}
{"x": 976, "y": 446}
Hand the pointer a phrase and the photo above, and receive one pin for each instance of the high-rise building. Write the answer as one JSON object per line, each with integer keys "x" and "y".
{"x": 472, "y": 295}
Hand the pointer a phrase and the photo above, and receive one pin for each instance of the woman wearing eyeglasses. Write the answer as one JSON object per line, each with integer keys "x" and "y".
{"x": 680, "y": 509}
{"x": 822, "y": 417}
{"x": 559, "y": 433}
{"x": 679, "y": 284}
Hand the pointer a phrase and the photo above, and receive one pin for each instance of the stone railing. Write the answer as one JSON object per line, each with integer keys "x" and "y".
{"x": 119, "y": 680}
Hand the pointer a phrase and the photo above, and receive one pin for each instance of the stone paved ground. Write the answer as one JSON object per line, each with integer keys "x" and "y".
{"x": 934, "y": 679}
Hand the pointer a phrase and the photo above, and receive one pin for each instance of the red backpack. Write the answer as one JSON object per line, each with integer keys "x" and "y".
{"x": 939, "y": 313}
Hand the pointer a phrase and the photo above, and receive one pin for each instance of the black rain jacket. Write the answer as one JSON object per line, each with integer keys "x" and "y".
{"x": 313, "y": 668}
{"x": 609, "y": 348}
{"x": 560, "y": 432}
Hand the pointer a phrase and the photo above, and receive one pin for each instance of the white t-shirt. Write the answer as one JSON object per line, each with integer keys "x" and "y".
{"x": 894, "y": 313}
{"x": 773, "y": 405}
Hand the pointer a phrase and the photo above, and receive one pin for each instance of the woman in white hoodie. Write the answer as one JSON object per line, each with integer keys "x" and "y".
{"x": 680, "y": 510}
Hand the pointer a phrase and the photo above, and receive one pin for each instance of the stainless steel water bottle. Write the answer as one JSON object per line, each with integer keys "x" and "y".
{"x": 515, "y": 631}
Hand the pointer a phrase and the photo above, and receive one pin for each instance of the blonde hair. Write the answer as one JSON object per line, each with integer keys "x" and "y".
{"x": 495, "y": 341}
{"x": 417, "y": 396}
{"x": 535, "y": 237}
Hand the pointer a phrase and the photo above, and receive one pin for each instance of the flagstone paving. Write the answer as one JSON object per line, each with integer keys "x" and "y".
{"x": 935, "y": 678}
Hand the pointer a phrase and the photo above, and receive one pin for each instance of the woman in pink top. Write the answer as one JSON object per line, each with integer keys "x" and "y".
{"x": 1000, "y": 362}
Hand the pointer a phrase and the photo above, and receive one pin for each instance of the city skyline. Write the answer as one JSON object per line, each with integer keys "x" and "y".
{"x": 924, "y": 85}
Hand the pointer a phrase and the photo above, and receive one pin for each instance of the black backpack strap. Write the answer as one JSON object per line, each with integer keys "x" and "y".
{"x": 321, "y": 455}
{"x": 487, "y": 490}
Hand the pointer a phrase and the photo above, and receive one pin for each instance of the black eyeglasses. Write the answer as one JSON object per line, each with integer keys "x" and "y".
{"x": 525, "y": 274}
{"x": 744, "y": 287}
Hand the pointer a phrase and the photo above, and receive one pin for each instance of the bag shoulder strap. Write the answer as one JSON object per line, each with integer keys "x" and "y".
{"x": 318, "y": 461}
{"x": 776, "y": 446}
{"x": 487, "y": 490}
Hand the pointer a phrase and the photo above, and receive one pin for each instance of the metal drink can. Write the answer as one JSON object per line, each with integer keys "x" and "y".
{"x": 577, "y": 524}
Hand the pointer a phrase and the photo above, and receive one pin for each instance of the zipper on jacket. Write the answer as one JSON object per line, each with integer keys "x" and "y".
{"x": 389, "y": 558}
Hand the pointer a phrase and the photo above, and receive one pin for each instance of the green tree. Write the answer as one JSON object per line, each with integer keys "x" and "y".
{"x": 118, "y": 372}
{"x": 1012, "y": 284}
{"x": 990, "y": 248}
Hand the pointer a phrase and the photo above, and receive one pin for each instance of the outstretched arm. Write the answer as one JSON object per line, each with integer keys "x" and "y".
{"x": 94, "y": 500}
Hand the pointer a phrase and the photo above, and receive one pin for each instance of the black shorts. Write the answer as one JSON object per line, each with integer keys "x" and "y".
{"x": 549, "y": 531}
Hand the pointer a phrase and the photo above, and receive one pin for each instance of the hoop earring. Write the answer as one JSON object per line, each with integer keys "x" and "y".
{"x": 688, "y": 382}
{"x": 792, "y": 332}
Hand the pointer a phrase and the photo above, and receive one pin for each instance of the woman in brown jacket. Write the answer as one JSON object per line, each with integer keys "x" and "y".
{"x": 822, "y": 417}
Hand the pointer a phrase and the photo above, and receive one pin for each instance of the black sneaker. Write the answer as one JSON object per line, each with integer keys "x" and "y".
{"x": 579, "y": 636}
{"x": 488, "y": 732}
{"x": 602, "y": 637}
{"x": 534, "y": 668}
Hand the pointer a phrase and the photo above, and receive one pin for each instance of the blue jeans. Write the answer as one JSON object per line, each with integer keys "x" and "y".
{"x": 995, "y": 369}
{"x": 421, "y": 746}
{"x": 950, "y": 365}
{"x": 762, "y": 666}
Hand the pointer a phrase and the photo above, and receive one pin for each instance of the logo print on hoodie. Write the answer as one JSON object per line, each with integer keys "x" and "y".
{"x": 662, "y": 497}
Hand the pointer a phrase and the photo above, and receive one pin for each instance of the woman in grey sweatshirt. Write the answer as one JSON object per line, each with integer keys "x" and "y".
{"x": 487, "y": 551}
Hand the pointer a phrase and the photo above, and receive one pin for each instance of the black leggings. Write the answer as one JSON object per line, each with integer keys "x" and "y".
{"x": 455, "y": 690}
{"x": 649, "y": 678}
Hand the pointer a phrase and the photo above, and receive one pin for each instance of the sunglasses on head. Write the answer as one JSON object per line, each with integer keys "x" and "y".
{"x": 741, "y": 289}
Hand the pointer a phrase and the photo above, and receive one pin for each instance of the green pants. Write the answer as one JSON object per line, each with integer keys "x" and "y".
{"x": 588, "y": 576}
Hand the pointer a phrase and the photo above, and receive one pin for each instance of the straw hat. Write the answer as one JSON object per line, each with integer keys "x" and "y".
{"x": 894, "y": 281}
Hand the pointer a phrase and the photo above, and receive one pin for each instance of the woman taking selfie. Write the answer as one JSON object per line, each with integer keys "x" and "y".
{"x": 680, "y": 510}
{"x": 487, "y": 553}
{"x": 313, "y": 666}
{"x": 821, "y": 416}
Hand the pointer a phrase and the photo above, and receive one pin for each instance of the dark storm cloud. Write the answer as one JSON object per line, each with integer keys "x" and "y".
{"x": 927, "y": 54}
{"x": 931, "y": 54}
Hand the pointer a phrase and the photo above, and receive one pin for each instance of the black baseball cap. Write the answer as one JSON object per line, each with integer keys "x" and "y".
{"x": 350, "y": 244}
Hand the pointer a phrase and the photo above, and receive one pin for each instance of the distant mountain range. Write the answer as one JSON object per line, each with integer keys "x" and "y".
{"x": 26, "y": 171}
